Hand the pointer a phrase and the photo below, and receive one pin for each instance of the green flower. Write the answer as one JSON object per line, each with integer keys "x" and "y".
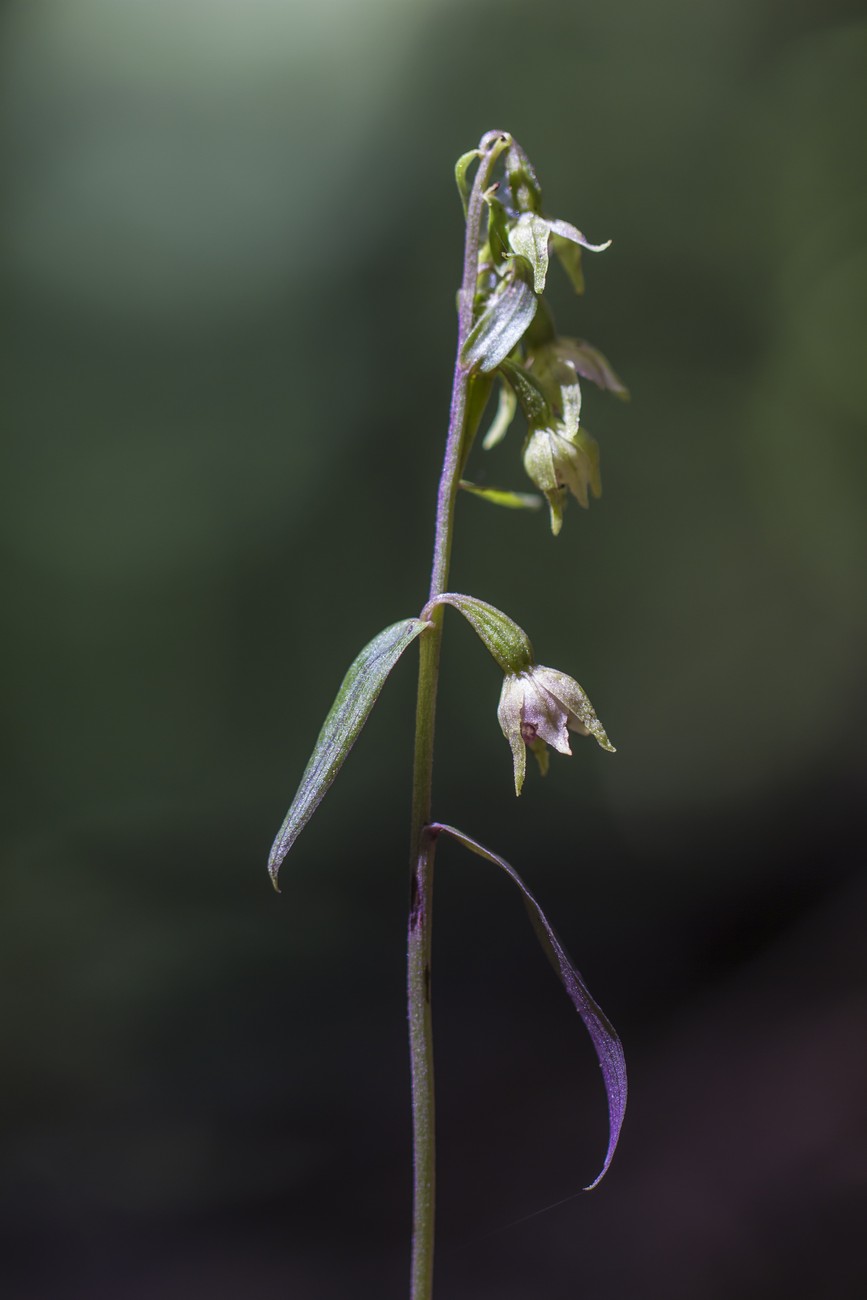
{"x": 539, "y": 707}
{"x": 558, "y": 462}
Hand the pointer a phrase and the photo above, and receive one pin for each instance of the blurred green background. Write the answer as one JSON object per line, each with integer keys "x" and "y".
{"x": 230, "y": 248}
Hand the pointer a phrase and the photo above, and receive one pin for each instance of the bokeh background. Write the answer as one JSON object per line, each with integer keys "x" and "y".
{"x": 230, "y": 248}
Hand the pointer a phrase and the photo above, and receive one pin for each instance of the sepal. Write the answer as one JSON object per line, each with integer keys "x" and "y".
{"x": 528, "y": 237}
{"x": 571, "y": 233}
{"x": 590, "y": 363}
{"x": 569, "y": 257}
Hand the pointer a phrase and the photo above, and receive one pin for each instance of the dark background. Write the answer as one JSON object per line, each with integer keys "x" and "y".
{"x": 231, "y": 244}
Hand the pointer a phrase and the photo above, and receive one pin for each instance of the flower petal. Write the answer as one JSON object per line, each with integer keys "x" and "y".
{"x": 574, "y": 700}
{"x": 529, "y": 238}
{"x": 540, "y": 466}
{"x": 509, "y": 718}
{"x": 590, "y": 363}
{"x": 567, "y": 231}
{"x": 575, "y": 469}
{"x": 543, "y": 715}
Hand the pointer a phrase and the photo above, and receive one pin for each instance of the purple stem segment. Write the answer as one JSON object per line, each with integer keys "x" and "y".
{"x": 421, "y": 842}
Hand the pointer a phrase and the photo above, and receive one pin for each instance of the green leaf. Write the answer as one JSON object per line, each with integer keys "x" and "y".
{"x": 349, "y": 712}
{"x": 462, "y": 166}
{"x": 529, "y": 238}
{"x": 608, "y": 1047}
{"x": 507, "y": 405}
{"x": 499, "y": 497}
{"x": 502, "y": 638}
{"x": 501, "y": 326}
{"x": 529, "y": 393}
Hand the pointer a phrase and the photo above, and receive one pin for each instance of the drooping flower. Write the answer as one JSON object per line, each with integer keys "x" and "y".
{"x": 540, "y": 706}
{"x": 557, "y": 462}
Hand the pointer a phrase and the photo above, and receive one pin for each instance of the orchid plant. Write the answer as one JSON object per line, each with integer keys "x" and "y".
{"x": 506, "y": 339}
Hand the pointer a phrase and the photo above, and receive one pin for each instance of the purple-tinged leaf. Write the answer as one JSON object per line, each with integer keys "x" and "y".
{"x": 605, "y": 1040}
{"x": 358, "y": 693}
{"x": 504, "y": 321}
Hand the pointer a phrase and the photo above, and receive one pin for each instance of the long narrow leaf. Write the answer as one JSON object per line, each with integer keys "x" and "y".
{"x": 349, "y": 712}
{"x": 605, "y": 1040}
{"x": 502, "y": 497}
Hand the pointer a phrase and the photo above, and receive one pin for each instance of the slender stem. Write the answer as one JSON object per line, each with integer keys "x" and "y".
{"x": 422, "y": 841}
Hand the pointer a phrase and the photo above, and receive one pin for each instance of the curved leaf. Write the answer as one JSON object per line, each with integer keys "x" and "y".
{"x": 462, "y": 166}
{"x": 349, "y": 712}
{"x": 502, "y": 324}
{"x": 507, "y": 643}
{"x": 605, "y": 1040}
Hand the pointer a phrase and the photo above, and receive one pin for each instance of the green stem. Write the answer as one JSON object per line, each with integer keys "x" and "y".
{"x": 422, "y": 841}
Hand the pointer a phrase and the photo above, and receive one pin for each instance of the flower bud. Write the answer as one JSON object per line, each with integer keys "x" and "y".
{"x": 556, "y": 463}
